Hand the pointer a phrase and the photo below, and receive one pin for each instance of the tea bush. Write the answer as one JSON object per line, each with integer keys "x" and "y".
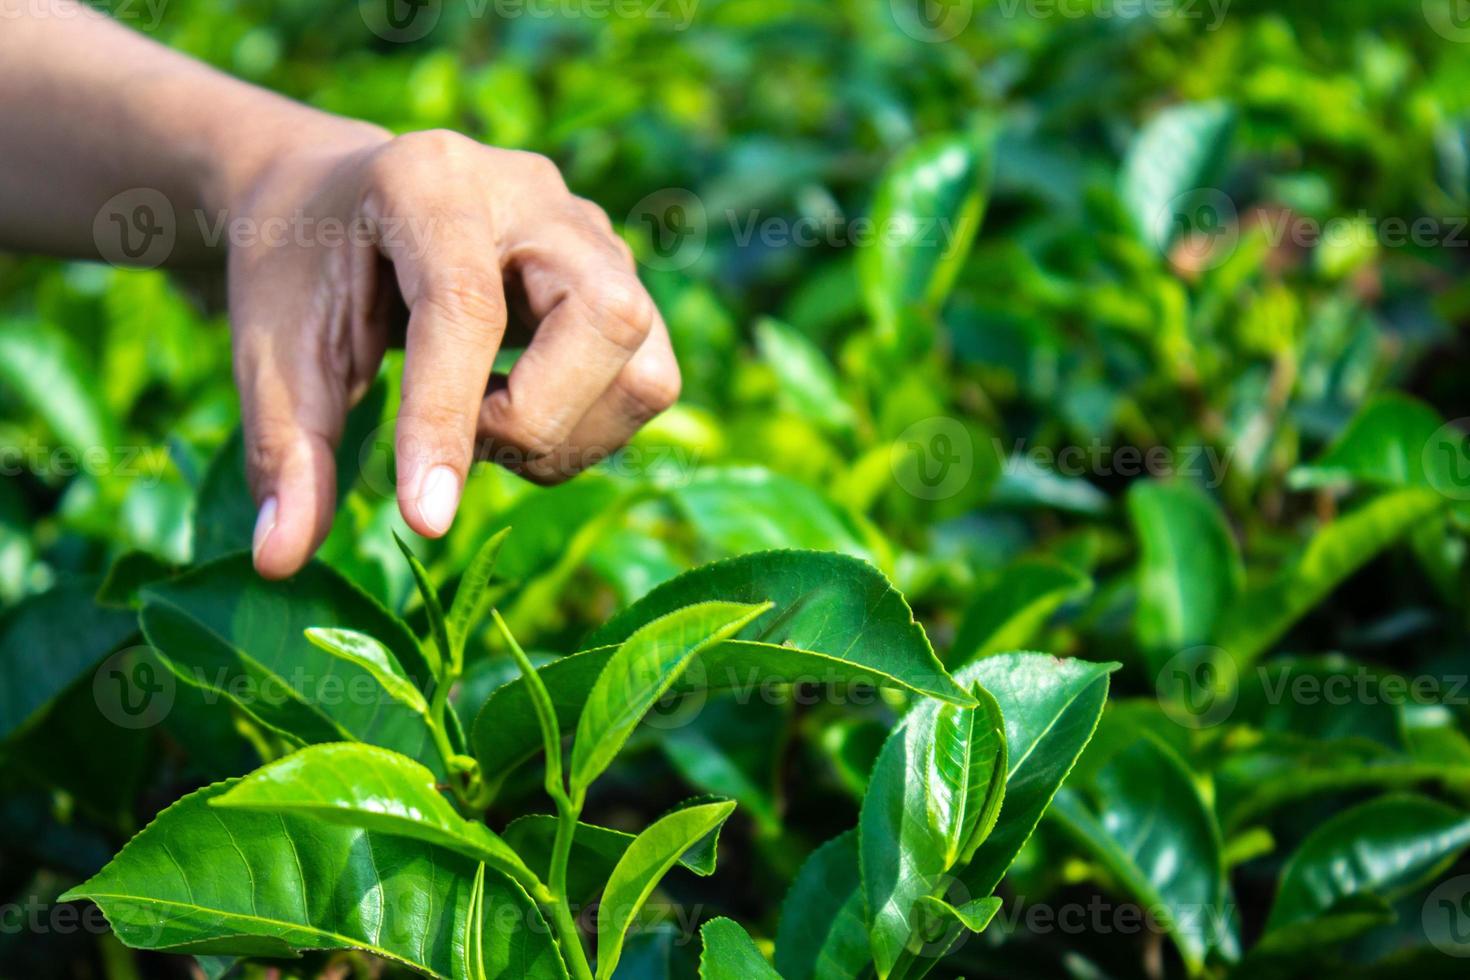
{"x": 1056, "y": 567}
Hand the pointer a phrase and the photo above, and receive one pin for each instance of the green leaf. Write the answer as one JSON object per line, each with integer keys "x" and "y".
{"x": 640, "y": 869}
{"x": 926, "y": 212}
{"x": 224, "y": 629}
{"x": 822, "y": 935}
{"x": 934, "y": 795}
{"x": 224, "y": 515}
{"x": 1385, "y": 848}
{"x": 1177, "y": 152}
{"x": 42, "y": 366}
{"x": 378, "y": 790}
{"x": 1301, "y": 945}
{"x": 973, "y": 915}
{"x": 543, "y": 708}
{"x": 595, "y": 851}
{"x": 1255, "y": 784}
{"x": 1012, "y": 610}
{"x": 472, "y": 599}
{"x": 1051, "y": 708}
{"x": 473, "y": 965}
{"x": 808, "y": 381}
{"x": 126, "y": 577}
{"x": 47, "y": 642}
{"x": 210, "y": 880}
{"x": 373, "y": 657}
{"x": 1387, "y": 444}
{"x": 737, "y": 510}
{"x": 506, "y": 732}
{"x": 730, "y": 954}
{"x": 1263, "y": 614}
{"x": 838, "y": 621}
{"x": 440, "y": 648}
{"x": 1142, "y": 817}
{"x": 638, "y": 674}
{"x": 826, "y": 603}
{"x": 1189, "y": 568}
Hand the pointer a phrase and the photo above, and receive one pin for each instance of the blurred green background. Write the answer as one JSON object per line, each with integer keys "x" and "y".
{"x": 1189, "y": 266}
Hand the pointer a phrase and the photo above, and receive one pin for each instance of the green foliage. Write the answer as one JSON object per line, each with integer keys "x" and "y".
{"x": 1099, "y": 394}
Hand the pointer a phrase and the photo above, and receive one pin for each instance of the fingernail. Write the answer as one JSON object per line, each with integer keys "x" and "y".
{"x": 265, "y": 523}
{"x": 438, "y": 498}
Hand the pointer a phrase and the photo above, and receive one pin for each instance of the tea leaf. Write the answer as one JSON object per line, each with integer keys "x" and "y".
{"x": 1386, "y": 848}
{"x": 1051, "y": 708}
{"x": 1142, "y": 817}
{"x": 642, "y": 866}
{"x": 1178, "y": 151}
{"x": 472, "y": 600}
{"x": 223, "y": 628}
{"x": 1189, "y": 571}
{"x": 440, "y": 648}
{"x": 1262, "y": 615}
{"x": 595, "y": 852}
{"x": 730, "y": 954}
{"x": 638, "y": 673}
{"x": 934, "y": 793}
{"x": 373, "y": 657}
{"x": 378, "y": 790}
{"x": 1009, "y": 614}
{"x": 826, "y": 603}
{"x": 927, "y": 210}
{"x": 278, "y": 884}
{"x": 822, "y": 935}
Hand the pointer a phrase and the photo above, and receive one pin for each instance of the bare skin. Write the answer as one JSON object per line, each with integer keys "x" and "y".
{"x": 334, "y": 229}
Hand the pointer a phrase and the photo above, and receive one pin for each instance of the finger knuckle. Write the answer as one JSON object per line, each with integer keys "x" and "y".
{"x": 652, "y": 387}
{"x": 412, "y": 162}
{"x": 623, "y": 312}
{"x": 538, "y": 168}
{"x": 468, "y": 303}
{"x": 535, "y": 436}
{"x": 434, "y": 145}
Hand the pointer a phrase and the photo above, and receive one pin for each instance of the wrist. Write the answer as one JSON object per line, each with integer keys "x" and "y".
{"x": 245, "y": 157}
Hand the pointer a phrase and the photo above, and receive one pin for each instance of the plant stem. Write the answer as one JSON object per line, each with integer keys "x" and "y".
{"x": 561, "y": 912}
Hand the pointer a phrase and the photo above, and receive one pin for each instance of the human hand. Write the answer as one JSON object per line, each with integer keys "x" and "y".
{"x": 356, "y": 230}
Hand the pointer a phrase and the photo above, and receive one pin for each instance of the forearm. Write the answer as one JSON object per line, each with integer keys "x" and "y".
{"x": 92, "y": 109}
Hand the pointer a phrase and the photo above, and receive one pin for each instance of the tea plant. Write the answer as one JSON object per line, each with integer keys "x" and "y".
{"x": 368, "y": 832}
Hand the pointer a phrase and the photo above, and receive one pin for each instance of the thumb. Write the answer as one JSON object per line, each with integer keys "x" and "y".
{"x": 292, "y": 414}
